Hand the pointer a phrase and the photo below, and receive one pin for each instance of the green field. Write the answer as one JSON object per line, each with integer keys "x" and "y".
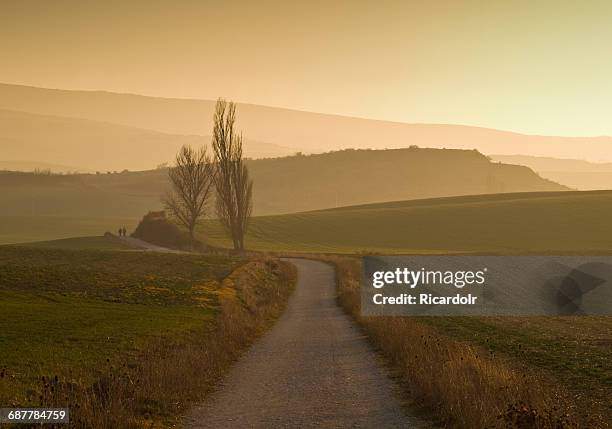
{"x": 522, "y": 222}
{"x": 573, "y": 351}
{"x": 83, "y": 243}
{"x": 497, "y": 223}
{"x": 65, "y": 312}
{"x": 34, "y": 228}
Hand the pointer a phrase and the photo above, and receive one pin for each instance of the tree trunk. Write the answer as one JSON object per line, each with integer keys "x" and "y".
{"x": 191, "y": 237}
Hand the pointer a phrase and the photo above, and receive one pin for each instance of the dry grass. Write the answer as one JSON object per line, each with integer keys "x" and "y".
{"x": 461, "y": 383}
{"x": 171, "y": 375}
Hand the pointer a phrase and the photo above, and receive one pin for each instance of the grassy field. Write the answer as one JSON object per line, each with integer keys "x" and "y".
{"x": 125, "y": 338}
{"x": 35, "y": 228}
{"x": 535, "y": 222}
{"x": 497, "y": 223}
{"x": 65, "y": 312}
{"x": 83, "y": 243}
{"x": 574, "y": 350}
{"x": 545, "y": 372}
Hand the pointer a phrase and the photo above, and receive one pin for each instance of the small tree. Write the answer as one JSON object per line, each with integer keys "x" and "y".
{"x": 233, "y": 186}
{"x": 191, "y": 182}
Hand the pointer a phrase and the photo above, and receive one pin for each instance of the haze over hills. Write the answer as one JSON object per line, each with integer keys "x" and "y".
{"x": 26, "y": 165}
{"x": 93, "y": 203}
{"x": 291, "y": 184}
{"x": 94, "y": 145}
{"x": 300, "y": 131}
{"x": 575, "y": 173}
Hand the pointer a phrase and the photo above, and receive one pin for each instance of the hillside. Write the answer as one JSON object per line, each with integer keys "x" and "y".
{"x": 303, "y": 131}
{"x": 575, "y": 173}
{"x": 282, "y": 185}
{"x": 95, "y": 145}
{"x": 574, "y": 222}
{"x": 24, "y": 165}
{"x": 41, "y": 207}
{"x": 350, "y": 177}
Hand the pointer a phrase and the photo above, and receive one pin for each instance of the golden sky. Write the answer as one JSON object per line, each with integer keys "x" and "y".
{"x": 542, "y": 67}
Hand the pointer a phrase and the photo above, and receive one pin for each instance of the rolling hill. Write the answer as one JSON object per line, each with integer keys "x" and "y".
{"x": 42, "y": 207}
{"x": 575, "y": 173}
{"x": 517, "y": 223}
{"x": 300, "y": 131}
{"x": 349, "y": 177}
{"x": 282, "y": 185}
{"x": 550, "y": 223}
{"x": 95, "y": 145}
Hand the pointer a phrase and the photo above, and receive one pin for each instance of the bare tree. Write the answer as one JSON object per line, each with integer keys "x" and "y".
{"x": 233, "y": 186}
{"x": 191, "y": 179}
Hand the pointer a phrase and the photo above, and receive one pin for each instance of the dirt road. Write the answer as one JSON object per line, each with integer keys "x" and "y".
{"x": 146, "y": 246}
{"x": 312, "y": 369}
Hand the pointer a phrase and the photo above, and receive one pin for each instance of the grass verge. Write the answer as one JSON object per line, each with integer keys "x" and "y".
{"x": 468, "y": 380}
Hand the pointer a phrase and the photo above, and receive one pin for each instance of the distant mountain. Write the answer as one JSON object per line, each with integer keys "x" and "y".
{"x": 282, "y": 185}
{"x": 300, "y": 131}
{"x": 575, "y": 173}
{"x": 95, "y": 145}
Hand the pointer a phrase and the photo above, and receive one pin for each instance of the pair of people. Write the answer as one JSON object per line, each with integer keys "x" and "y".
{"x": 122, "y": 232}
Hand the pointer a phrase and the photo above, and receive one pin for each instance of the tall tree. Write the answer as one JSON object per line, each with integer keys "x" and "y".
{"x": 191, "y": 179}
{"x": 234, "y": 188}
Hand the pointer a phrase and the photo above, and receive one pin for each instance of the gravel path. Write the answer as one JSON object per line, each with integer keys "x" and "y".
{"x": 144, "y": 245}
{"x": 312, "y": 369}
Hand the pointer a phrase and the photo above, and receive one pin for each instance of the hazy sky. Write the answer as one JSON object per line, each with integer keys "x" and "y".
{"x": 530, "y": 66}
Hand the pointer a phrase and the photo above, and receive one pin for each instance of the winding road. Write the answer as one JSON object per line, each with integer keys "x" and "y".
{"x": 312, "y": 369}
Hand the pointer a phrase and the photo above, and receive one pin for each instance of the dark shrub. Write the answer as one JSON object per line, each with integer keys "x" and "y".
{"x": 155, "y": 228}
